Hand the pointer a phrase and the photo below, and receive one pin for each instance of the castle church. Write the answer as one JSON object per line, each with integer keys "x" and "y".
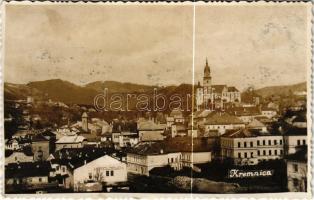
{"x": 213, "y": 97}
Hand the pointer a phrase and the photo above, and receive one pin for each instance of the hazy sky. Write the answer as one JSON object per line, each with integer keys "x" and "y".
{"x": 245, "y": 45}
{"x": 253, "y": 45}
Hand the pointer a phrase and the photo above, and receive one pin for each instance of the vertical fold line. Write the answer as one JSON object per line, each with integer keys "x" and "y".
{"x": 193, "y": 98}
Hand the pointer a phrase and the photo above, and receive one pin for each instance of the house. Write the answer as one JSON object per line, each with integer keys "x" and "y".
{"x": 176, "y": 116}
{"x": 248, "y": 147}
{"x": 12, "y": 144}
{"x": 268, "y": 112}
{"x": 200, "y": 116}
{"x": 246, "y": 113}
{"x": 294, "y": 138}
{"x": 70, "y": 141}
{"x": 221, "y": 122}
{"x": 175, "y": 152}
{"x": 64, "y": 160}
{"x": 148, "y": 130}
{"x": 102, "y": 172}
{"x": 299, "y": 121}
{"x": 29, "y": 176}
{"x": 178, "y": 129}
{"x": 40, "y": 147}
{"x": 18, "y": 156}
{"x": 60, "y": 173}
{"x": 257, "y": 125}
{"x": 297, "y": 172}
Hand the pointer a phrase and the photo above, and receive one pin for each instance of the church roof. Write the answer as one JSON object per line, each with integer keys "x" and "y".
{"x": 84, "y": 115}
{"x": 218, "y": 88}
{"x": 207, "y": 70}
{"x": 232, "y": 89}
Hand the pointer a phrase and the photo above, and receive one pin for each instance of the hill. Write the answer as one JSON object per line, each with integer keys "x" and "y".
{"x": 281, "y": 90}
{"x": 118, "y": 87}
{"x": 69, "y": 93}
{"x": 64, "y": 91}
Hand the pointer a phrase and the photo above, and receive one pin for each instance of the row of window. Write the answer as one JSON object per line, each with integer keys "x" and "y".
{"x": 303, "y": 142}
{"x": 108, "y": 173}
{"x": 260, "y": 153}
{"x": 260, "y": 143}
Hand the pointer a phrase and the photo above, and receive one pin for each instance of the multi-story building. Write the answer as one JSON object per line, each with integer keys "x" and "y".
{"x": 294, "y": 138}
{"x": 148, "y": 130}
{"x": 175, "y": 152}
{"x": 221, "y": 122}
{"x": 40, "y": 147}
{"x": 70, "y": 141}
{"x": 248, "y": 147}
{"x": 297, "y": 171}
{"x": 105, "y": 170}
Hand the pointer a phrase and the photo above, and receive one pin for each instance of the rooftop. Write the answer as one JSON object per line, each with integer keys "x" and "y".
{"x": 219, "y": 118}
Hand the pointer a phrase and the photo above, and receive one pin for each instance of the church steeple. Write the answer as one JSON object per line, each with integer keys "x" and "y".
{"x": 207, "y": 70}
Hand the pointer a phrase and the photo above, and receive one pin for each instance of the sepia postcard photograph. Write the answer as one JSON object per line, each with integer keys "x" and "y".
{"x": 156, "y": 99}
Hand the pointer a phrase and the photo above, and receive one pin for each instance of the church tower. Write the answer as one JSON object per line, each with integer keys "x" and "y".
{"x": 207, "y": 79}
{"x": 85, "y": 122}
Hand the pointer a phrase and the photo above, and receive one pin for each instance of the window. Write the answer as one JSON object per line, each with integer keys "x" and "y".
{"x": 281, "y": 152}
{"x": 295, "y": 167}
{"x": 269, "y": 152}
{"x": 168, "y": 160}
{"x": 258, "y": 143}
{"x": 39, "y": 179}
{"x": 57, "y": 168}
{"x": 269, "y": 142}
{"x": 258, "y": 152}
{"x": 245, "y": 155}
{"x": 15, "y": 158}
{"x": 239, "y": 155}
{"x": 172, "y": 160}
{"x": 251, "y": 154}
{"x": 280, "y": 142}
{"x": 239, "y": 144}
{"x": 63, "y": 169}
{"x": 295, "y": 182}
{"x": 90, "y": 176}
{"x": 111, "y": 173}
{"x": 264, "y": 152}
{"x": 304, "y": 142}
{"x": 244, "y": 144}
{"x": 275, "y": 142}
{"x": 251, "y": 143}
{"x": 299, "y": 142}
{"x": 276, "y": 152}
{"x": 107, "y": 173}
{"x": 264, "y": 142}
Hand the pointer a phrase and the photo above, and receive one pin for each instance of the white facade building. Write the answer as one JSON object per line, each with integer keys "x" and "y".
{"x": 105, "y": 170}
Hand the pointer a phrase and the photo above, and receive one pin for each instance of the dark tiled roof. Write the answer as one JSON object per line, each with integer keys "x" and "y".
{"x": 29, "y": 169}
{"x": 240, "y": 133}
{"x": 172, "y": 145}
{"x": 244, "y": 111}
{"x": 296, "y": 131}
{"x": 39, "y": 138}
{"x": 300, "y": 155}
{"x": 218, "y": 88}
{"x": 232, "y": 89}
{"x": 76, "y": 157}
{"x": 218, "y": 118}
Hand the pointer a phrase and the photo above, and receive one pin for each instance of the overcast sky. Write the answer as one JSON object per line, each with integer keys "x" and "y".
{"x": 154, "y": 44}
